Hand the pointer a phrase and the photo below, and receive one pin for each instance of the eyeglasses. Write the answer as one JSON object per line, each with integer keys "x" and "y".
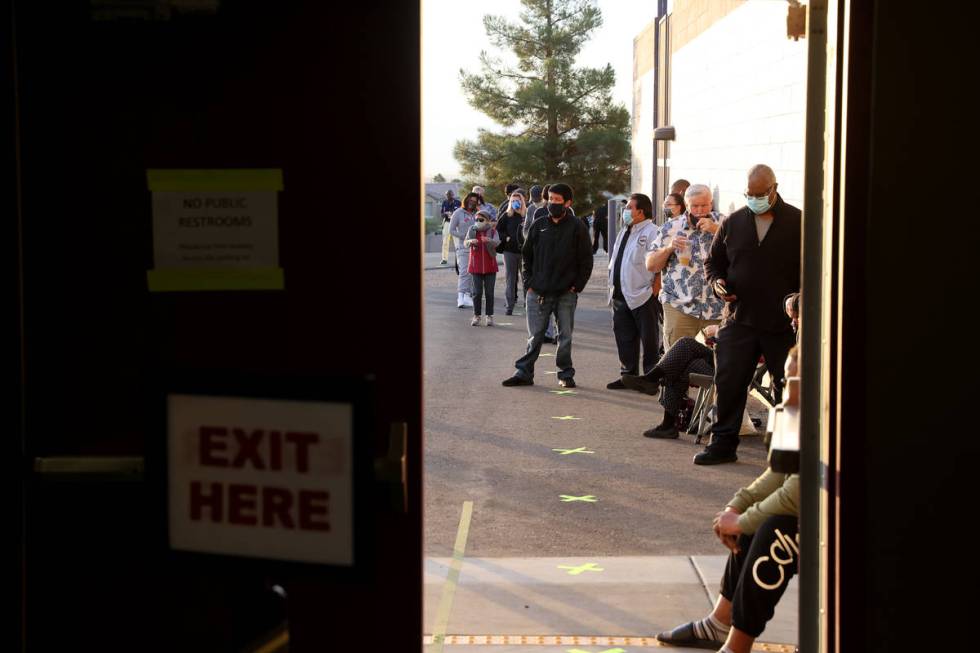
{"x": 759, "y": 197}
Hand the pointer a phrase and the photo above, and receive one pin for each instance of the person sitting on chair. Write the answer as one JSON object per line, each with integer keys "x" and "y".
{"x": 686, "y": 356}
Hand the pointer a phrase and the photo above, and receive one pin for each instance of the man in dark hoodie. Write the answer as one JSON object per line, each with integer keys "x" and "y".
{"x": 557, "y": 263}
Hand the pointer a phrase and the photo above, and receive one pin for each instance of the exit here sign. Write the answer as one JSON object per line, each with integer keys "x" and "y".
{"x": 261, "y": 478}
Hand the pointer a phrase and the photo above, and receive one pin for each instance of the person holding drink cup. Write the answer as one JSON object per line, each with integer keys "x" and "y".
{"x": 678, "y": 253}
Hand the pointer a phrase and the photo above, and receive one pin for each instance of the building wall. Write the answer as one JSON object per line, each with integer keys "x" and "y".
{"x": 643, "y": 162}
{"x": 738, "y": 98}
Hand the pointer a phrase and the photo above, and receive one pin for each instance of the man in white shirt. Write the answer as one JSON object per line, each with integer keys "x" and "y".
{"x": 634, "y": 306}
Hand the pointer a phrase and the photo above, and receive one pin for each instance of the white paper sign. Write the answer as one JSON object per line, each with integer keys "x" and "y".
{"x": 208, "y": 229}
{"x": 261, "y": 478}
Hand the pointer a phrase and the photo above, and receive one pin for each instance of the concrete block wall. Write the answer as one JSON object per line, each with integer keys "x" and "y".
{"x": 738, "y": 98}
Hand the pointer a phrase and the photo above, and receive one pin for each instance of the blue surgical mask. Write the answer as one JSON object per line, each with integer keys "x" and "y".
{"x": 627, "y": 217}
{"x": 516, "y": 205}
{"x": 758, "y": 205}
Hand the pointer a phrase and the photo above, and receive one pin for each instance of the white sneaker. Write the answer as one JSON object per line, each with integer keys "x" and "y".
{"x": 489, "y": 320}
{"x": 468, "y": 300}
{"x": 460, "y": 302}
{"x": 475, "y": 321}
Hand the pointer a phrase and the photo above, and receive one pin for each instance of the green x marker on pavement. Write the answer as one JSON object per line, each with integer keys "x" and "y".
{"x": 575, "y": 571}
{"x": 546, "y": 354}
{"x": 566, "y": 417}
{"x": 565, "y": 452}
{"x": 562, "y": 393}
{"x": 588, "y": 498}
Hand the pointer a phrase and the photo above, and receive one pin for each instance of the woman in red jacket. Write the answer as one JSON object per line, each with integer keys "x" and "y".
{"x": 482, "y": 239}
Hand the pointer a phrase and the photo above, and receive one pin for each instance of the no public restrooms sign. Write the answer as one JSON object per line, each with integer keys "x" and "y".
{"x": 261, "y": 478}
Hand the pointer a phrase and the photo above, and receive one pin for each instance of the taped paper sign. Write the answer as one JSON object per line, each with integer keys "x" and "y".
{"x": 215, "y": 230}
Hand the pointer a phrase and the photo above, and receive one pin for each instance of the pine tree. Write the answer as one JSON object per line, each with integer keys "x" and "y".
{"x": 560, "y": 124}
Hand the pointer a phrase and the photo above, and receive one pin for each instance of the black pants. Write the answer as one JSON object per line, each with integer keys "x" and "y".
{"x": 483, "y": 283}
{"x": 686, "y": 356}
{"x": 599, "y": 230}
{"x": 756, "y": 578}
{"x": 736, "y": 356}
{"x": 634, "y": 328}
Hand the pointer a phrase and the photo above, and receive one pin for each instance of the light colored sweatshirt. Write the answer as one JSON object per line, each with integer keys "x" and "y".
{"x": 769, "y": 495}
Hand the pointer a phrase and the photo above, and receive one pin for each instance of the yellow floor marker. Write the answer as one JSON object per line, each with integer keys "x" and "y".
{"x": 563, "y": 393}
{"x": 575, "y": 571}
{"x": 565, "y": 452}
{"x": 449, "y": 589}
{"x": 566, "y": 417}
{"x": 587, "y": 498}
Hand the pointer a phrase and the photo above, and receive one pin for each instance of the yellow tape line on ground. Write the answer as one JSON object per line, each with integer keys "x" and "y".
{"x": 575, "y": 640}
{"x": 449, "y": 589}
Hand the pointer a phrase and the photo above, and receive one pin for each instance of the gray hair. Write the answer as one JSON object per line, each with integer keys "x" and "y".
{"x": 696, "y": 189}
{"x": 764, "y": 171}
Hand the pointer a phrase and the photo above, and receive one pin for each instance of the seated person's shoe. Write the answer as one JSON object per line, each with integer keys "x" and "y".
{"x": 663, "y": 432}
{"x": 616, "y": 385}
{"x": 645, "y": 384}
{"x": 684, "y": 636}
{"x": 708, "y": 457}
{"x": 566, "y": 383}
{"x": 517, "y": 380}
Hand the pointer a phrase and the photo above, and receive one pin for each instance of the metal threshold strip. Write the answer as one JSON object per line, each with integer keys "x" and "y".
{"x": 576, "y": 640}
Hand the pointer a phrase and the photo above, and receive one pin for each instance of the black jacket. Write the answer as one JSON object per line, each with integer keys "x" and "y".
{"x": 760, "y": 275}
{"x": 557, "y": 257}
{"x": 509, "y": 226}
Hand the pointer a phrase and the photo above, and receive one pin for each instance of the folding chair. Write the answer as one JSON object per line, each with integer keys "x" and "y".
{"x": 703, "y": 404}
{"x": 770, "y": 393}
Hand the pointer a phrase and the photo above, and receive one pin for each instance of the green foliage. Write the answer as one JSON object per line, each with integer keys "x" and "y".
{"x": 559, "y": 119}
{"x": 438, "y": 178}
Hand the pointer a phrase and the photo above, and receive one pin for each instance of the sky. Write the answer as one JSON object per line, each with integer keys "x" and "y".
{"x": 447, "y": 117}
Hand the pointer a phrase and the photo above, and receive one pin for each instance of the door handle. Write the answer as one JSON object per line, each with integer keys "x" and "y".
{"x": 392, "y": 469}
{"x": 100, "y": 468}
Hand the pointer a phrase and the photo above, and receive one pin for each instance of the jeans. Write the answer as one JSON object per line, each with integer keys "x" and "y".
{"x": 539, "y": 311}
{"x": 483, "y": 283}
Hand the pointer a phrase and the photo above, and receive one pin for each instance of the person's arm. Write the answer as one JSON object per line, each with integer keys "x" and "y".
{"x": 716, "y": 265}
{"x": 660, "y": 254}
{"x": 470, "y": 240}
{"x": 583, "y": 257}
{"x": 770, "y": 494}
{"x": 527, "y": 259}
{"x": 454, "y": 224}
{"x": 493, "y": 240}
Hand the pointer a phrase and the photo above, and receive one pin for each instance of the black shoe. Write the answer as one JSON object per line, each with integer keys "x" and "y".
{"x": 641, "y": 384}
{"x": 708, "y": 457}
{"x": 509, "y": 311}
{"x": 684, "y": 636}
{"x": 566, "y": 383}
{"x": 517, "y": 380}
{"x": 663, "y": 432}
{"x": 616, "y": 385}
{"x": 549, "y": 339}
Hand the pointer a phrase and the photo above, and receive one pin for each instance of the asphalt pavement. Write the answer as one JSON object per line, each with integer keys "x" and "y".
{"x": 619, "y": 494}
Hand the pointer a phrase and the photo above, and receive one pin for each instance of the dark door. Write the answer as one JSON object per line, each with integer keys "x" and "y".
{"x": 104, "y": 91}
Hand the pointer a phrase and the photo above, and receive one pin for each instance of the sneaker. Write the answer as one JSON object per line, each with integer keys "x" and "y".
{"x": 566, "y": 383}
{"x": 517, "y": 380}
{"x": 460, "y": 302}
{"x": 489, "y": 320}
{"x": 443, "y": 262}
{"x": 663, "y": 432}
{"x": 616, "y": 385}
{"x": 475, "y": 321}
